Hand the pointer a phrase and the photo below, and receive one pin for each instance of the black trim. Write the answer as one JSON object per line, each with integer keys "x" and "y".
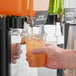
{"x": 2, "y": 53}
{"x": 52, "y": 19}
{"x": 66, "y": 29}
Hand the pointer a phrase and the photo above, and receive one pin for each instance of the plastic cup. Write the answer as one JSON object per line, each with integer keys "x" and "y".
{"x": 31, "y": 44}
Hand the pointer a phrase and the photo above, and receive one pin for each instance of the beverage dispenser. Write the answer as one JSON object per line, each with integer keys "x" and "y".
{"x": 13, "y": 14}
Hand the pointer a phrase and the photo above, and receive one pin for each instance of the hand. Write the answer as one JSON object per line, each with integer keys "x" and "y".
{"x": 15, "y": 52}
{"x": 53, "y": 56}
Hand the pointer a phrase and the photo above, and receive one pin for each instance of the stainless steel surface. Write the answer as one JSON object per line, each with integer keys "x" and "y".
{"x": 71, "y": 37}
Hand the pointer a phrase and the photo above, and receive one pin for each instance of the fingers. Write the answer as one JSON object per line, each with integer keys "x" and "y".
{"x": 15, "y": 52}
{"x": 47, "y": 49}
{"x": 18, "y": 50}
{"x": 13, "y": 61}
{"x": 16, "y": 57}
{"x": 39, "y": 51}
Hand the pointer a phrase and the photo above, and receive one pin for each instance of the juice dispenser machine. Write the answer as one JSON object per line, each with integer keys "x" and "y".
{"x": 37, "y": 10}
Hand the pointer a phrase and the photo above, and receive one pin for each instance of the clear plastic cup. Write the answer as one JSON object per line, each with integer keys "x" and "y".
{"x": 34, "y": 40}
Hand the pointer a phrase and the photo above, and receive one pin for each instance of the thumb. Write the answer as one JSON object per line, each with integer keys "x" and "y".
{"x": 39, "y": 51}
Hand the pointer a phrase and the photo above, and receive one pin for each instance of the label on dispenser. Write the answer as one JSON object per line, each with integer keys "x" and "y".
{"x": 41, "y": 18}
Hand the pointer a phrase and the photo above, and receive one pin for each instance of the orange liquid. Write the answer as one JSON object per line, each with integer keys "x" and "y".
{"x": 35, "y": 60}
